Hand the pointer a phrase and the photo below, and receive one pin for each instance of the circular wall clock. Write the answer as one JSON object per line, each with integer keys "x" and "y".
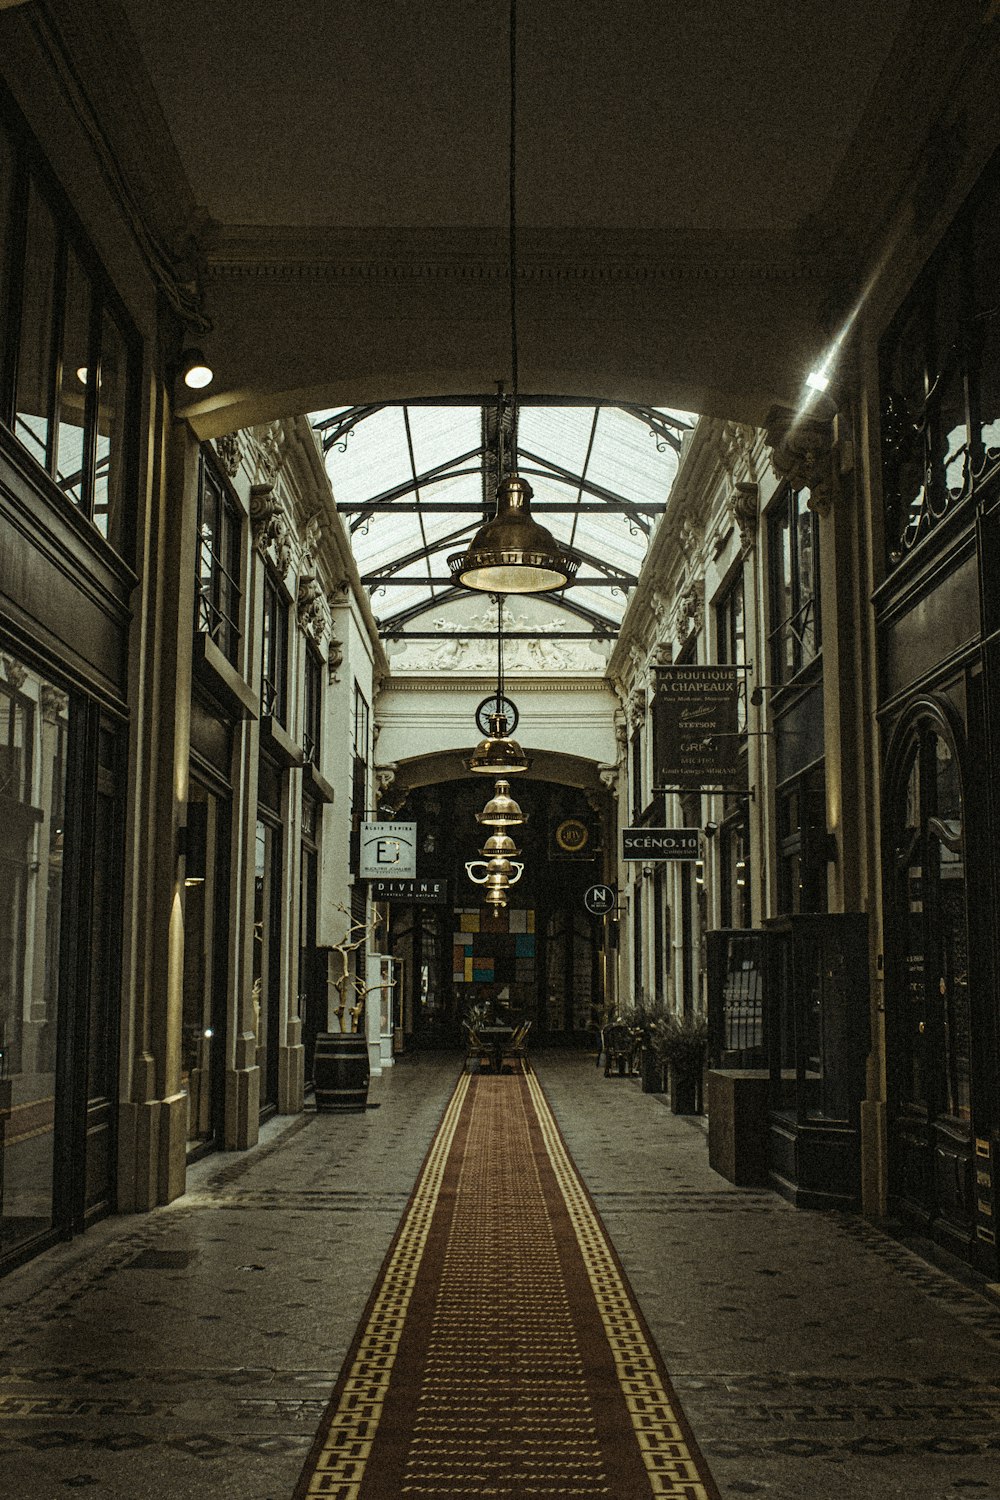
{"x": 496, "y": 704}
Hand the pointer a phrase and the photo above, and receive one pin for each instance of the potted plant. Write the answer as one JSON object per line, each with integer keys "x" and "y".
{"x": 645, "y": 1024}
{"x": 681, "y": 1043}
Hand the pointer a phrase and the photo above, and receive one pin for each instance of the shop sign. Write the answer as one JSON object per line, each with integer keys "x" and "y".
{"x": 648, "y": 844}
{"x": 388, "y": 849}
{"x": 430, "y": 892}
{"x": 696, "y": 740}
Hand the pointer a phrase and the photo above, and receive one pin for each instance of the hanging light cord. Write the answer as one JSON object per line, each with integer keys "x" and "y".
{"x": 512, "y": 242}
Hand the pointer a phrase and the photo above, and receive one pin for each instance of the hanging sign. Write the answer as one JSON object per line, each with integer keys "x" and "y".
{"x": 427, "y": 892}
{"x": 696, "y": 741}
{"x": 388, "y": 849}
{"x": 648, "y": 844}
{"x": 599, "y": 900}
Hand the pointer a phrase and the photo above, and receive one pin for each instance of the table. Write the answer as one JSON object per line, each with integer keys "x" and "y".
{"x": 495, "y": 1039}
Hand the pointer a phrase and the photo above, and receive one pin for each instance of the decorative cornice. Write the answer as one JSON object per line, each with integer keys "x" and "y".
{"x": 802, "y": 453}
{"x": 553, "y": 257}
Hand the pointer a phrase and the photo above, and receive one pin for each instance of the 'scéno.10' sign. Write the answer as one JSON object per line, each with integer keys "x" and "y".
{"x": 388, "y": 849}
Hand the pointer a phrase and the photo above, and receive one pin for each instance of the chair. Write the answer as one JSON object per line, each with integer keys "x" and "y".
{"x": 475, "y": 1050}
{"x": 619, "y": 1047}
{"x": 517, "y": 1048}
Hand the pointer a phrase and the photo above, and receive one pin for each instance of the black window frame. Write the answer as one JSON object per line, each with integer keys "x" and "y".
{"x": 274, "y": 650}
{"x": 312, "y": 704}
{"x": 224, "y": 565}
{"x": 789, "y": 510}
{"x": 30, "y": 172}
{"x": 943, "y": 340}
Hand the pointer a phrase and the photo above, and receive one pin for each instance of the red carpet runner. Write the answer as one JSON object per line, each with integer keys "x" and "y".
{"x": 502, "y": 1352}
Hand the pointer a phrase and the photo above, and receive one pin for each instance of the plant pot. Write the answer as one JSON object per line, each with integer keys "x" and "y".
{"x": 651, "y": 1072}
{"x": 685, "y": 1093}
{"x": 341, "y": 1072}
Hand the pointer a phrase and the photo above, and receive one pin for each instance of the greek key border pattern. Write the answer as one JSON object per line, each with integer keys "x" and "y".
{"x": 340, "y": 1467}
{"x": 673, "y": 1471}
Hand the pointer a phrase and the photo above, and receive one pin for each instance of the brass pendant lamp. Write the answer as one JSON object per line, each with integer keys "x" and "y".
{"x": 501, "y": 811}
{"x": 498, "y": 754}
{"x": 512, "y": 553}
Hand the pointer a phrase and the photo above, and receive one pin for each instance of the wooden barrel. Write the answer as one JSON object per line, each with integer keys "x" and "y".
{"x": 340, "y": 1071}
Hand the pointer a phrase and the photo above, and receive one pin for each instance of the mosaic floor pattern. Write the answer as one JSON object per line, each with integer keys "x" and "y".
{"x": 502, "y": 1352}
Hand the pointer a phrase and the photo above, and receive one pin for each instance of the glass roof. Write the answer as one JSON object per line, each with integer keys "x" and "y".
{"x": 414, "y": 482}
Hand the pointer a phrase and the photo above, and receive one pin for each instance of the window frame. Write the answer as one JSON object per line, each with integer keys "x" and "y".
{"x": 31, "y": 172}
{"x": 786, "y": 514}
{"x": 274, "y": 649}
{"x": 232, "y": 540}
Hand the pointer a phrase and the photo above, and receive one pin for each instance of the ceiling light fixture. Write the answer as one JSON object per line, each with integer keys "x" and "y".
{"x": 512, "y": 553}
{"x": 195, "y": 371}
{"x": 818, "y": 380}
{"x": 498, "y": 754}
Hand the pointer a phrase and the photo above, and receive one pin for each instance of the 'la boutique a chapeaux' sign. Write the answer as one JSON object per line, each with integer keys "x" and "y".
{"x": 696, "y": 729}
{"x": 388, "y": 849}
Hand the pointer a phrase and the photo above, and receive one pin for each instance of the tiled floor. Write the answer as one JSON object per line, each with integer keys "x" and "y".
{"x": 189, "y": 1353}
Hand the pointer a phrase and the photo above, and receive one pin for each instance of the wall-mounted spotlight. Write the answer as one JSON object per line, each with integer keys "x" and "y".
{"x": 711, "y": 829}
{"x": 818, "y": 380}
{"x": 195, "y": 371}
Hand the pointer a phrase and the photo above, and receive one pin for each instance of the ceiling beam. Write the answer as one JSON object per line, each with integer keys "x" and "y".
{"x": 412, "y": 580}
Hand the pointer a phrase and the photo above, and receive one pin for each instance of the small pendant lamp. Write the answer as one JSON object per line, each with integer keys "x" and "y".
{"x": 501, "y": 811}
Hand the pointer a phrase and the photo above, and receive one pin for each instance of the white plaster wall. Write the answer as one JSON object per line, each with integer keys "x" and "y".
{"x": 420, "y": 717}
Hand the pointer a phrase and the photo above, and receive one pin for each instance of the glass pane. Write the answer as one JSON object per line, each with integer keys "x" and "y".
{"x": 805, "y": 625}
{"x": 102, "y": 1028}
{"x": 914, "y": 1019}
{"x": 34, "y": 727}
{"x": 903, "y": 394}
{"x": 77, "y": 369}
{"x": 35, "y": 367}
{"x": 6, "y": 229}
{"x": 951, "y": 944}
{"x": 949, "y": 433}
{"x": 109, "y": 479}
{"x": 198, "y": 1039}
{"x": 986, "y": 319}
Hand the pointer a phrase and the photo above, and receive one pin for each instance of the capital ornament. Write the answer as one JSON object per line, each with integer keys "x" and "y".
{"x": 54, "y": 703}
{"x": 609, "y": 778}
{"x": 315, "y": 618}
{"x": 15, "y": 672}
{"x": 744, "y": 504}
{"x": 691, "y": 608}
{"x": 636, "y": 708}
{"x": 270, "y": 527}
{"x": 385, "y": 780}
{"x": 802, "y": 453}
{"x": 267, "y": 451}
{"x": 230, "y": 452}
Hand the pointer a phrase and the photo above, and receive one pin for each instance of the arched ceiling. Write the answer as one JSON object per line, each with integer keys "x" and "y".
{"x": 700, "y": 185}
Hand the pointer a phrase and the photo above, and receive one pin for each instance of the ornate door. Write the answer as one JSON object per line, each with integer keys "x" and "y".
{"x": 929, "y": 1018}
